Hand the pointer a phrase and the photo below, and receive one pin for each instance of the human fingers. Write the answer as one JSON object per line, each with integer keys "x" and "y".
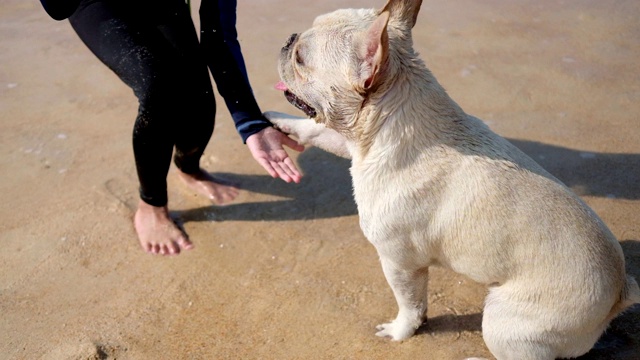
{"x": 289, "y": 142}
{"x": 290, "y": 167}
{"x": 268, "y": 167}
{"x": 283, "y": 172}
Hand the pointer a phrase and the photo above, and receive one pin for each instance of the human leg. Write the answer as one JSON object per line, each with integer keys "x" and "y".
{"x": 128, "y": 41}
{"x": 195, "y": 127}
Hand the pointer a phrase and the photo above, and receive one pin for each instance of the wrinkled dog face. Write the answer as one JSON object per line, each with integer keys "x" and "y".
{"x": 322, "y": 67}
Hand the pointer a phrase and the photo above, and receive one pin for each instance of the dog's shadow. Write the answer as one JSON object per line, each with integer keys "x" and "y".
{"x": 451, "y": 324}
{"x": 588, "y": 173}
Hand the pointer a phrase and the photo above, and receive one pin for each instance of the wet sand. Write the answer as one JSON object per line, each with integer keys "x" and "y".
{"x": 284, "y": 272}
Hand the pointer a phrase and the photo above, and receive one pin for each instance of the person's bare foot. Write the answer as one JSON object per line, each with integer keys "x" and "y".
{"x": 157, "y": 232}
{"x": 213, "y": 189}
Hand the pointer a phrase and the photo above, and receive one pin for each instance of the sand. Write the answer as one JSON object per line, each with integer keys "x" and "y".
{"x": 285, "y": 272}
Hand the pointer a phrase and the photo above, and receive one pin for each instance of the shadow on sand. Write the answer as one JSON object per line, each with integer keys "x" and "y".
{"x": 451, "y": 323}
{"x": 326, "y": 190}
{"x": 588, "y": 173}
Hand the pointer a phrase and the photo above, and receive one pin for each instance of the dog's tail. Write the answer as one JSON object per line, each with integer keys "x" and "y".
{"x": 629, "y": 295}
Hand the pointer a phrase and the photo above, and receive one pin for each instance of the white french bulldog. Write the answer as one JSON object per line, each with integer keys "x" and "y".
{"x": 435, "y": 186}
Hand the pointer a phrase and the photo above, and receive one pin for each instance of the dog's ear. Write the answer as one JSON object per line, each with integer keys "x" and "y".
{"x": 373, "y": 53}
{"x": 405, "y": 11}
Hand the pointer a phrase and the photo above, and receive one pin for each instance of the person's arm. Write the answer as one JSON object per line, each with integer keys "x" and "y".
{"x": 224, "y": 57}
{"x": 219, "y": 42}
{"x": 60, "y": 9}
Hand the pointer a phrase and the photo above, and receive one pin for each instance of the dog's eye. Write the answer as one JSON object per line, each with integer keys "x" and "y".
{"x": 299, "y": 60}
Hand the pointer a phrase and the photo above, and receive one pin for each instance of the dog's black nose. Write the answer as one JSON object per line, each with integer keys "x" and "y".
{"x": 289, "y": 42}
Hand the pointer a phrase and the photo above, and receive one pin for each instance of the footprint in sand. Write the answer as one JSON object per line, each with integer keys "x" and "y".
{"x": 123, "y": 193}
{"x": 84, "y": 350}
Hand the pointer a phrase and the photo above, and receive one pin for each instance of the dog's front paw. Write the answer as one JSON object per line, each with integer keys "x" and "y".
{"x": 282, "y": 121}
{"x": 395, "y": 330}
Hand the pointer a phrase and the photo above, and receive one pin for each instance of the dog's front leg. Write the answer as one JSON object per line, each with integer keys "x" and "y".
{"x": 410, "y": 290}
{"x": 308, "y": 132}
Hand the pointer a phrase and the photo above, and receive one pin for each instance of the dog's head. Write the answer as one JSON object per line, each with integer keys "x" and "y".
{"x": 331, "y": 70}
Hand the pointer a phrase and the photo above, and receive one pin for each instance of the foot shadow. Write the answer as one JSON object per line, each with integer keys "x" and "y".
{"x": 588, "y": 173}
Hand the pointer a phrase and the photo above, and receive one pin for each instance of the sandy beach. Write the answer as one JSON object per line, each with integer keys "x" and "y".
{"x": 284, "y": 272}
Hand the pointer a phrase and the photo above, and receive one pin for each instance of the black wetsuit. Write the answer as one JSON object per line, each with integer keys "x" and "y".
{"x": 153, "y": 47}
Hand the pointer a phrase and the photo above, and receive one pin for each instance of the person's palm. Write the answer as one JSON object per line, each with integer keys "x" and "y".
{"x": 267, "y": 147}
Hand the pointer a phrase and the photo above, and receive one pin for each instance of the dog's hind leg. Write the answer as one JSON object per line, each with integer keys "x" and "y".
{"x": 410, "y": 290}
{"x": 508, "y": 334}
{"x": 517, "y": 326}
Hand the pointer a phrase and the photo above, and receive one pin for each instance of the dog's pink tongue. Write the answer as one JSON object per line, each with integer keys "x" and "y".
{"x": 281, "y": 86}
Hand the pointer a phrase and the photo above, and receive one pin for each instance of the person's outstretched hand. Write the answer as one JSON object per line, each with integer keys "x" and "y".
{"x": 267, "y": 148}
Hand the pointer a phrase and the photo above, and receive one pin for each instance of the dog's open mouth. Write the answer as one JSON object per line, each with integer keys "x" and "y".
{"x": 296, "y": 101}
